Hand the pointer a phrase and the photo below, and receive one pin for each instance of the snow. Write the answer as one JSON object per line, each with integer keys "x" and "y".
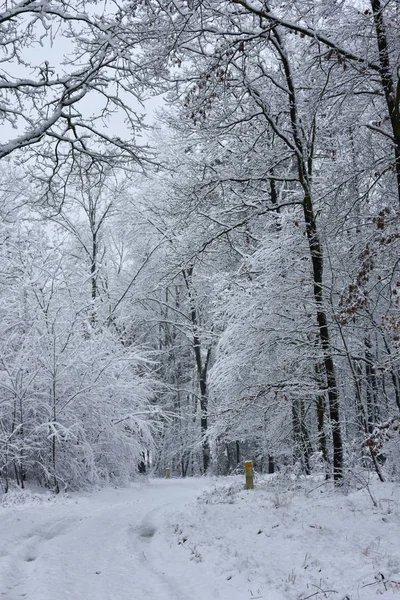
{"x": 202, "y": 539}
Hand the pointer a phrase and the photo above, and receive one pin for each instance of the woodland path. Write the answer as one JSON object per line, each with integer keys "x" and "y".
{"x": 113, "y": 544}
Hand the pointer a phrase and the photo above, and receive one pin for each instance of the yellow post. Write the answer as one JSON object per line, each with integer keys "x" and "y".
{"x": 248, "y": 469}
{"x": 167, "y": 473}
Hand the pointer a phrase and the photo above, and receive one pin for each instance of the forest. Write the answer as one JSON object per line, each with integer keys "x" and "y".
{"x": 199, "y": 239}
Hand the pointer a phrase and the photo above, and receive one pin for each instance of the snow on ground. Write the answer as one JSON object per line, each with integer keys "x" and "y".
{"x": 298, "y": 540}
{"x": 203, "y": 539}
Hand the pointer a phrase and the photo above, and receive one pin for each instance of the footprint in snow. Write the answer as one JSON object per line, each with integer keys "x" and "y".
{"x": 146, "y": 530}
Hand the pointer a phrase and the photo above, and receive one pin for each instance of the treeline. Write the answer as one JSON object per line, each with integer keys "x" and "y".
{"x": 229, "y": 290}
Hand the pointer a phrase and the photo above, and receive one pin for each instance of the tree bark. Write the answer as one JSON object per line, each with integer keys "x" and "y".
{"x": 202, "y": 368}
{"x": 392, "y": 91}
{"x": 324, "y": 338}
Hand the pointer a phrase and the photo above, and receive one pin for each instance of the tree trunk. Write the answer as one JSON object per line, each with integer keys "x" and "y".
{"x": 202, "y": 368}
{"x": 333, "y": 396}
{"x": 271, "y": 464}
{"x": 304, "y": 158}
{"x": 300, "y": 436}
{"x": 392, "y": 91}
{"x": 371, "y": 387}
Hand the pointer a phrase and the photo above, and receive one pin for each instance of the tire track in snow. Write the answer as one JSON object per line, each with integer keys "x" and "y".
{"x": 112, "y": 545}
{"x": 17, "y": 556}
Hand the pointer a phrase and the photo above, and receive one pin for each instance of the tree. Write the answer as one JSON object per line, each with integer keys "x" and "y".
{"x": 278, "y": 89}
{"x": 60, "y": 111}
{"x": 237, "y": 66}
{"x": 75, "y": 402}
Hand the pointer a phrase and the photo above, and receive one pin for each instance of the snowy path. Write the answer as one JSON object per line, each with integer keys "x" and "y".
{"x": 110, "y": 545}
{"x": 285, "y": 540}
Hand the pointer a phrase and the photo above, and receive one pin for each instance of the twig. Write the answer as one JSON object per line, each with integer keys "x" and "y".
{"x": 320, "y": 591}
{"x": 327, "y": 481}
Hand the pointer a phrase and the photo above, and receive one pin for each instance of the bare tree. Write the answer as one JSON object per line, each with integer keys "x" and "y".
{"x": 70, "y": 87}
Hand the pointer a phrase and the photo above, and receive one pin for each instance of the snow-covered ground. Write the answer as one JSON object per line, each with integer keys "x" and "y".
{"x": 202, "y": 539}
